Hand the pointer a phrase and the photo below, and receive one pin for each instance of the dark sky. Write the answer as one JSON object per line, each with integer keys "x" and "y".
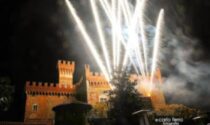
{"x": 36, "y": 33}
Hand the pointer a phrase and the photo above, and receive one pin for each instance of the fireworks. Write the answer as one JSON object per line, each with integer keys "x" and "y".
{"x": 124, "y": 48}
{"x": 156, "y": 46}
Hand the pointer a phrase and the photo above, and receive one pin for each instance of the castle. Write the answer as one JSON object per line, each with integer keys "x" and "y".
{"x": 42, "y": 97}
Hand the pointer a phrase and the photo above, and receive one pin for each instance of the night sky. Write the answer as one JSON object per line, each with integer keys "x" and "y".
{"x": 36, "y": 33}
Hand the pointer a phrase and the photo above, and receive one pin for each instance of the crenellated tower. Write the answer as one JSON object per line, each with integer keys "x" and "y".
{"x": 42, "y": 97}
{"x": 97, "y": 86}
{"x": 65, "y": 72}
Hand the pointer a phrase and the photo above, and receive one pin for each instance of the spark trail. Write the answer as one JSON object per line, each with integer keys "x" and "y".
{"x": 128, "y": 47}
{"x": 88, "y": 40}
{"x": 156, "y": 47}
{"x": 101, "y": 35}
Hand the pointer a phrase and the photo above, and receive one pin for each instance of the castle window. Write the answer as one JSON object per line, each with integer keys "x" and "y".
{"x": 103, "y": 100}
{"x": 34, "y": 107}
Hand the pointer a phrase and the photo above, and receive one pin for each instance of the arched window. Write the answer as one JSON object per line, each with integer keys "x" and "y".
{"x": 34, "y": 107}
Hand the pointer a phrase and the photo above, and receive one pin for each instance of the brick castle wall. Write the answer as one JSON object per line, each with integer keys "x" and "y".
{"x": 96, "y": 85}
{"x": 42, "y": 97}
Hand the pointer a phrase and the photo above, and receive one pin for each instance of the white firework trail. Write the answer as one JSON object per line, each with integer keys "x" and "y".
{"x": 106, "y": 8}
{"x": 143, "y": 37}
{"x": 157, "y": 41}
{"x": 88, "y": 40}
{"x": 101, "y": 35}
{"x": 124, "y": 48}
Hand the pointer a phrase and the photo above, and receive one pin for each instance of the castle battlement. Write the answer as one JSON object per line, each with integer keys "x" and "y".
{"x": 66, "y": 71}
{"x": 96, "y": 79}
{"x": 94, "y": 75}
{"x": 64, "y": 62}
{"x": 66, "y": 65}
{"x": 98, "y": 84}
{"x": 48, "y": 88}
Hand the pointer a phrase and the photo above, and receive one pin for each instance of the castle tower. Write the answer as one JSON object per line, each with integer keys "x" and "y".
{"x": 97, "y": 85}
{"x": 87, "y": 70}
{"x": 42, "y": 97}
{"x": 65, "y": 72}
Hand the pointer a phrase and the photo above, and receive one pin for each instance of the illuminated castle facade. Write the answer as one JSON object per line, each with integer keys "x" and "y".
{"x": 42, "y": 97}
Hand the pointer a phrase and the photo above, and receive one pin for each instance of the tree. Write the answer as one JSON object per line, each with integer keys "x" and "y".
{"x": 124, "y": 100}
{"x": 6, "y": 91}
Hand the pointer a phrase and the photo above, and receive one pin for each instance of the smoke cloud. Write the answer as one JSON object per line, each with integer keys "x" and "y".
{"x": 184, "y": 63}
{"x": 186, "y": 71}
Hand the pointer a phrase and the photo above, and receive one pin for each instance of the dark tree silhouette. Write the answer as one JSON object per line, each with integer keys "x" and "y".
{"x": 124, "y": 100}
{"x": 6, "y": 91}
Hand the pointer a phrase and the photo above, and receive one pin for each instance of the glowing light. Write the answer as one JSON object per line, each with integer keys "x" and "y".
{"x": 101, "y": 35}
{"x": 156, "y": 46}
{"x": 118, "y": 33}
{"x": 143, "y": 34}
{"x": 106, "y": 8}
{"x": 124, "y": 49}
{"x": 87, "y": 39}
